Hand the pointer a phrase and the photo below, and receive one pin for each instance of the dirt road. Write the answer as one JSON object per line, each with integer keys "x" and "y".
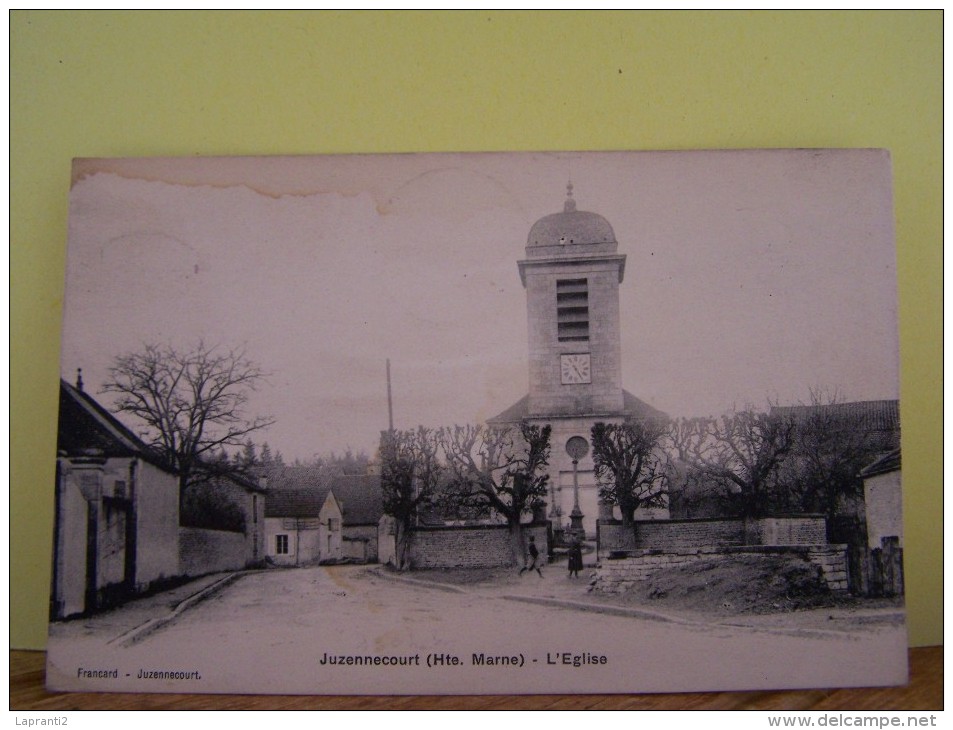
{"x": 345, "y": 630}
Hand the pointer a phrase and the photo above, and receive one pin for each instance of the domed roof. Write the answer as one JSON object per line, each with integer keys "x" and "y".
{"x": 570, "y": 227}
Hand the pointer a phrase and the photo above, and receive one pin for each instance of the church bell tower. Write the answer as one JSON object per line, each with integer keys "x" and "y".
{"x": 571, "y": 274}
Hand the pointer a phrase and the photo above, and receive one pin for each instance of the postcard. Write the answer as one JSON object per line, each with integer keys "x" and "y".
{"x": 561, "y": 422}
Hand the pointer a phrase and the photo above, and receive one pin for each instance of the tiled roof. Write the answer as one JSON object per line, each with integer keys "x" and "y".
{"x": 302, "y": 477}
{"x": 636, "y": 408}
{"x": 249, "y": 485}
{"x": 359, "y": 497}
{"x": 632, "y": 407}
{"x": 886, "y": 463}
{"x": 515, "y": 413}
{"x": 871, "y": 415}
{"x": 84, "y": 424}
{"x": 295, "y": 502}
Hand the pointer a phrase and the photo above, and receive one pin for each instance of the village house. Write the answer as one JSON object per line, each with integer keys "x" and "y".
{"x": 117, "y": 529}
{"x": 359, "y": 497}
{"x": 301, "y": 526}
{"x": 880, "y": 563}
{"x": 117, "y": 510}
{"x": 882, "y": 499}
{"x": 333, "y": 522}
{"x": 869, "y": 429}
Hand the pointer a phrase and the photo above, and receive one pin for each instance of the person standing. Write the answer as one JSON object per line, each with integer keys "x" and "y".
{"x": 575, "y": 559}
{"x": 533, "y": 558}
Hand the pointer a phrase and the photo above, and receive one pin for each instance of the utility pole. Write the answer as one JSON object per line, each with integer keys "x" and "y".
{"x": 390, "y": 402}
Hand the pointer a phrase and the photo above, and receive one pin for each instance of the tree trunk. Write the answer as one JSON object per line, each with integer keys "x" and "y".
{"x": 183, "y": 484}
{"x": 516, "y": 544}
{"x": 401, "y": 545}
{"x": 628, "y": 528}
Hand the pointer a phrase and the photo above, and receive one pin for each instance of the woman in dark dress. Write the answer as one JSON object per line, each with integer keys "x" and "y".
{"x": 575, "y": 559}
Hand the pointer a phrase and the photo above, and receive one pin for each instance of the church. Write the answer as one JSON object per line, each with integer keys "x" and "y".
{"x": 572, "y": 272}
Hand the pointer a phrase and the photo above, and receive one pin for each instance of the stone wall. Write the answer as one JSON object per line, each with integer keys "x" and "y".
{"x": 671, "y": 535}
{"x": 674, "y": 534}
{"x": 617, "y": 576}
{"x": 793, "y": 530}
{"x": 481, "y": 546}
{"x": 211, "y": 551}
{"x": 833, "y": 562}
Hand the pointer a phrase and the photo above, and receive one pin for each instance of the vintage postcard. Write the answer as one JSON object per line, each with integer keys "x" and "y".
{"x": 479, "y": 423}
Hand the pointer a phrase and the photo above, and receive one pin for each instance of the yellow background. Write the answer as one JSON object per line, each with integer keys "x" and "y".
{"x": 115, "y": 84}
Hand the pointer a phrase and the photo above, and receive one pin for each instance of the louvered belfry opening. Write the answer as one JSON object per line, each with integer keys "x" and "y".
{"x": 572, "y": 310}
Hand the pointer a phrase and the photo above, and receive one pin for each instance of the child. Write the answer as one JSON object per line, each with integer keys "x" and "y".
{"x": 534, "y": 558}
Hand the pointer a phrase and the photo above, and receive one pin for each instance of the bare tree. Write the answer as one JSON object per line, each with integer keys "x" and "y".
{"x": 503, "y": 467}
{"x": 832, "y": 444}
{"x": 192, "y": 402}
{"x": 741, "y": 454}
{"x": 689, "y": 491}
{"x": 630, "y": 465}
{"x": 410, "y": 474}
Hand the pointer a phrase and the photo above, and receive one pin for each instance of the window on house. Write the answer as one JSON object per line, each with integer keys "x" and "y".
{"x": 281, "y": 544}
{"x": 572, "y": 310}
{"x": 334, "y": 524}
{"x": 254, "y": 508}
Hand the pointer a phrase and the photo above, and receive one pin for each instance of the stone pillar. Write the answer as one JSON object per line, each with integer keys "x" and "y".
{"x": 87, "y": 472}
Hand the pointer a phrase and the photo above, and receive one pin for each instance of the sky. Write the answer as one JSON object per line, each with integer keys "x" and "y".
{"x": 750, "y": 276}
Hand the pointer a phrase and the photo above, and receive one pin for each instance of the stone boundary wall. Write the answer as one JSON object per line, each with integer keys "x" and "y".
{"x": 674, "y": 534}
{"x": 617, "y": 576}
{"x": 479, "y": 546}
{"x": 703, "y": 533}
{"x": 793, "y": 530}
{"x": 210, "y": 551}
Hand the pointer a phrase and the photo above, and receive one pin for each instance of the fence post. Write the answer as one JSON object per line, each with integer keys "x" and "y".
{"x": 858, "y": 570}
{"x": 893, "y": 566}
{"x": 876, "y": 572}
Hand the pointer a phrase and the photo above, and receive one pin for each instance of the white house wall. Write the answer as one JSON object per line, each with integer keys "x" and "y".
{"x": 275, "y": 526}
{"x": 156, "y": 494}
{"x": 304, "y": 540}
{"x": 884, "y": 508}
{"x": 330, "y": 534}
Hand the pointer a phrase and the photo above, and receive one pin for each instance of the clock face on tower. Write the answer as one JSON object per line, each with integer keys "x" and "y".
{"x": 575, "y": 368}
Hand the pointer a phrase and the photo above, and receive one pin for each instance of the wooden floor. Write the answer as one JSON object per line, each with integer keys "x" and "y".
{"x": 925, "y": 692}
